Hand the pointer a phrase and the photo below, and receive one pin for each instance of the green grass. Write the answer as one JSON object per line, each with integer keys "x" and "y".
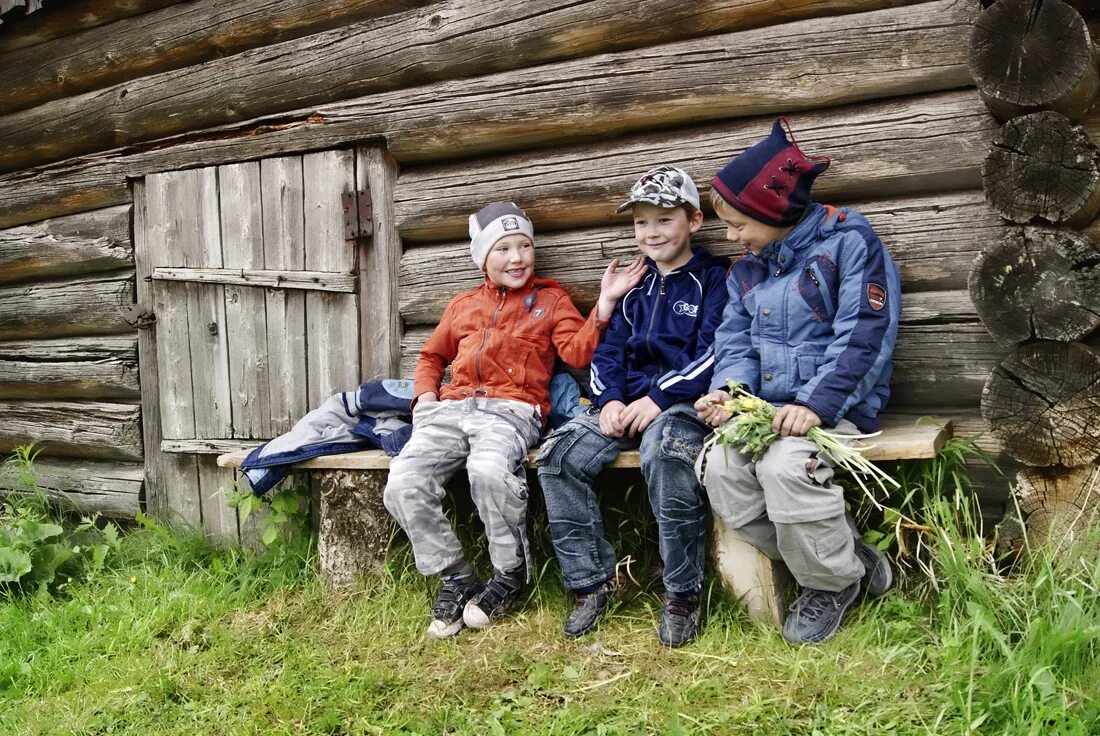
{"x": 173, "y": 637}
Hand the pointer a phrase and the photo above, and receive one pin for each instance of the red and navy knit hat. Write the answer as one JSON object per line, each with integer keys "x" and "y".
{"x": 770, "y": 181}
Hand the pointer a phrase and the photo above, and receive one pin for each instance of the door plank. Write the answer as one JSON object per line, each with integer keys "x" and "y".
{"x": 261, "y": 277}
{"x": 282, "y": 198}
{"x": 332, "y": 320}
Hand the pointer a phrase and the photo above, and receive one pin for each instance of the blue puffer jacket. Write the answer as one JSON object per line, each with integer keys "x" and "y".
{"x": 813, "y": 320}
{"x": 660, "y": 341}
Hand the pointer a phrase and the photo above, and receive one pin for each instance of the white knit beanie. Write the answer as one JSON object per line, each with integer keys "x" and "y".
{"x": 493, "y": 222}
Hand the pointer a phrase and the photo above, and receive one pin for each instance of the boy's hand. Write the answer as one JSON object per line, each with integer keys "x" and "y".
{"x": 795, "y": 420}
{"x": 616, "y": 283}
{"x": 639, "y": 415}
{"x": 710, "y": 409}
{"x": 427, "y": 397}
{"x": 611, "y": 418}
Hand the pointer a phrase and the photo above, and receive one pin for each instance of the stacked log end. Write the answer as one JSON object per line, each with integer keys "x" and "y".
{"x": 1037, "y": 291}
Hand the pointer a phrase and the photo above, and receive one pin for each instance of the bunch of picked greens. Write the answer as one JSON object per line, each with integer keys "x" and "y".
{"x": 750, "y": 431}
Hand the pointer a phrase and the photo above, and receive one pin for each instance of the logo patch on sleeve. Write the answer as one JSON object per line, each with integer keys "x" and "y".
{"x": 876, "y": 296}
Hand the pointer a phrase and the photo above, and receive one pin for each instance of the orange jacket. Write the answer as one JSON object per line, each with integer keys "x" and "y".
{"x": 500, "y": 343}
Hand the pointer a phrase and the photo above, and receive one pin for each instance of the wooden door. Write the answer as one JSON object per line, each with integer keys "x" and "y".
{"x": 254, "y": 283}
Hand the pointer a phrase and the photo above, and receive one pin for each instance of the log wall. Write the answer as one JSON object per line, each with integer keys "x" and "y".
{"x": 542, "y": 103}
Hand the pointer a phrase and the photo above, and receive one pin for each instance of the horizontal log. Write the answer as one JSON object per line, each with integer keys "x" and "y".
{"x": 111, "y": 489}
{"x": 870, "y": 55}
{"x": 77, "y": 244}
{"x": 84, "y": 429}
{"x": 271, "y": 278}
{"x": 59, "y": 22}
{"x": 921, "y": 144}
{"x": 70, "y": 368}
{"x": 936, "y": 365}
{"x": 921, "y": 233}
{"x": 180, "y": 35}
{"x": 90, "y": 305}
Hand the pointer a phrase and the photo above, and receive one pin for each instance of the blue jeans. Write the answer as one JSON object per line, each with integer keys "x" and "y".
{"x": 574, "y": 455}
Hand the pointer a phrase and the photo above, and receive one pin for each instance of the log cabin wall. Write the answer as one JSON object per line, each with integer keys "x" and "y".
{"x": 557, "y": 106}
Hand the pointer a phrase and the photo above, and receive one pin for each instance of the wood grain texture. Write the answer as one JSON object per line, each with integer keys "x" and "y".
{"x": 181, "y": 35}
{"x": 875, "y": 54}
{"x": 74, "y": 245}
{"x": 87, "y": 305}
{"x": 1043, "y": 168}
{"x": 1028, "y": 56}
{"x": 379, "y": 270}
{"x": 111, "y": 489}
{"x": 1038, "y": 284}
{"x": 87, "y": 429}
{"x": 42, "y": 27}
{"x": 70, "y": 368}
{"x": 1060, "y": 507}
{"x": 259, "y": 277}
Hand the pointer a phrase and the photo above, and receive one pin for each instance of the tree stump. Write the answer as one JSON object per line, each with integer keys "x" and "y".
{"x": 1043, "y": 167}
{"x": 355, "y": 527}
{"x": 1038, "y": 284}
{"x": 1059, "y": 506}
{"x": 1043, "y": 402}
{"x": 760, "y": 583}
{"x": 1031, "y": 55}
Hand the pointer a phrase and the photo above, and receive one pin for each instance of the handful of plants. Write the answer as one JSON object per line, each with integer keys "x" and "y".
{"x": 750, "y": 431}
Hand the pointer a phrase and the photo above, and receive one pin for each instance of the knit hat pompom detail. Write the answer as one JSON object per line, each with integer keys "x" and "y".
{"x": 770, "y": 181}
{"x": 493, "y": 222}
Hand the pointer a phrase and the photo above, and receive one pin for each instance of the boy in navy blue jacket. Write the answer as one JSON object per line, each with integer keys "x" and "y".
{"x": 653, "y": 362}
{"x": 810, "y": 326}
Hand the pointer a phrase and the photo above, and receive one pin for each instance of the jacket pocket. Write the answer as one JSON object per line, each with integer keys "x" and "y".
{"x": 808, "y": 365}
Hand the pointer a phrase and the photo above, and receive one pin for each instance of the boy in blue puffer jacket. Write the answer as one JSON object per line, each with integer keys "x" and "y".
{"x": 652, "y": 363}
{"x": 810, "y": 326}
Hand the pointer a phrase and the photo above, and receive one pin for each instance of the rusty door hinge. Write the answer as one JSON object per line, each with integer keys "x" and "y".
{"x": 358, "y": 214}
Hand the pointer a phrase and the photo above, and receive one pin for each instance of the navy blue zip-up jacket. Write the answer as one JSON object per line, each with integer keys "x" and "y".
{"x": 660, "y": 340}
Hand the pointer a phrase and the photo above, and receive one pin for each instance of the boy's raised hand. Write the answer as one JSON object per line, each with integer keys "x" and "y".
{"x": 639, "y": 415}
{"x": 611, "y": 418}
{"x": 616, "y": 282}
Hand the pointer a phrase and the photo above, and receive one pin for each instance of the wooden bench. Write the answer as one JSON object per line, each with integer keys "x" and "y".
{"x": 354, "y": 528}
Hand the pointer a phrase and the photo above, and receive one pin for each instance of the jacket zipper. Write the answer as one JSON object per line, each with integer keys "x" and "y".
{"x": 653, "y": 314}
{"x": 485, "y": 340}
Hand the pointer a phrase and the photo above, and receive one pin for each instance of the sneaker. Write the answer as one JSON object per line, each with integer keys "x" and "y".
{"x": 588, "y": 608}
{"x": 490, "y": 605}
{"x": 879, "y": 576}
{"x": 679, "y": 621}
{"x": 447, "y": 609}
{"x": 816, "y": 615}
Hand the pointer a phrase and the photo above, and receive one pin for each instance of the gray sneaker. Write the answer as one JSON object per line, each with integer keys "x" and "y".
{"x": 816, "y": 615}
{"x": 495, "y": 599}
{"x": 589, "y": 608}
{"x": 679, "y": 621}
{"x": 447, "y": 609}
{"x": 878, "y": 576}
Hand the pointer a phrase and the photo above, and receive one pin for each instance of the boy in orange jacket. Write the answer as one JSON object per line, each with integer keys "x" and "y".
{"x": 500, "y": 340}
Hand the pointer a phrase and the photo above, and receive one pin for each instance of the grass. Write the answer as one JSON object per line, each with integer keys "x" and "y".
{"x": 175, "y": 637}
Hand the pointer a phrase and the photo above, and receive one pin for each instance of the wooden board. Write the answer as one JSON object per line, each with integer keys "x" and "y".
{"x": 42, "y": 27}
{"x": 259, "y": 277}
{"x": 885, "y": 52}
{"x": 332, "y": 320}
{"x": 87, "y": 305}
{"x": 69, "y": 368}
{"x": 928, "y": 144}
{"x": 379, "y": 268}
{"x": 66, "y": 246}
{"x": 87, "y": 429}
{"x": 112, "y": 489}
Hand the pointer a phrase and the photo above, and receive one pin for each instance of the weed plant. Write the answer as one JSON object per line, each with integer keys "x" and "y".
{"x": 178, "y": 637}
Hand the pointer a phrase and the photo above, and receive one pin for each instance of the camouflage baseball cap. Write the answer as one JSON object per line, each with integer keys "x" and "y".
{"x": 664, "y": 186}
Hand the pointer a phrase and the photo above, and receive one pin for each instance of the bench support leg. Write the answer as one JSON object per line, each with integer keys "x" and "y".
{"x": 750, "y": 575}
{"x": 355, "y": 527}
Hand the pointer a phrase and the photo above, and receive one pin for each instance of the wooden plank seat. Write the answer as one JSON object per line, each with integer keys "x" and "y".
{"x": 354, "y": 527}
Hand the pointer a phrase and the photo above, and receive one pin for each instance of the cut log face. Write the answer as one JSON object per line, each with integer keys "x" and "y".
{"x": 1041, "y": 166}
{"x": 1027, "y": 56}
{"x": 1043, "y": 402}
{"x": 1038, "y": 284}
{"x": 1059, "y": 506}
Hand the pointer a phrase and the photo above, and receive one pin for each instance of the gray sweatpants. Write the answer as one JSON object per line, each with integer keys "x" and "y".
{"x": 491, "y": 437}
{"x": 787, "y": 506}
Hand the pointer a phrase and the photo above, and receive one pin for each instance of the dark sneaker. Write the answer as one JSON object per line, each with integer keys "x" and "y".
{"x": 816, "y": 615}
{"x": 490, "y": 605}
{"x": 679, "y": 621}
{"x": 589, "y": 608}
{"x": 447, "y": 609}
{"x": 879, "y": 576}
